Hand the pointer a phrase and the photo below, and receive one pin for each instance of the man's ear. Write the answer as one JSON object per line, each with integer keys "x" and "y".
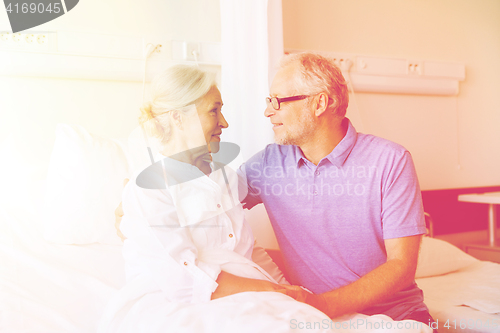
{"x": 321, "y": 104}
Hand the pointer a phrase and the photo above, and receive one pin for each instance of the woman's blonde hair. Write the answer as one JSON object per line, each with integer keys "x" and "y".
{"x": 174, "y": 89}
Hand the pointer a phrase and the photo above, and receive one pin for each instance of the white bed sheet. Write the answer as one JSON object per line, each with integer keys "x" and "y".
{"x": 467, "y": 300}
{"x": 53, "y": 288}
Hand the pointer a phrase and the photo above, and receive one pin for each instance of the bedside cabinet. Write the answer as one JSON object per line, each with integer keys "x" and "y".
{"x": 484, "y": 251}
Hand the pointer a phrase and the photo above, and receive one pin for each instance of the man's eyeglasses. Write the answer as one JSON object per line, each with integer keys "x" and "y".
{"x": 276, "y": 101}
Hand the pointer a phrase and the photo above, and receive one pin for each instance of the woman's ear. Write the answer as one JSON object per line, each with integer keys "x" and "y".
{"x": 176, "y": 118}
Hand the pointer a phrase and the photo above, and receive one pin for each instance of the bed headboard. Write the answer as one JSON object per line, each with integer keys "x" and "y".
{"x": 449, "y": 215}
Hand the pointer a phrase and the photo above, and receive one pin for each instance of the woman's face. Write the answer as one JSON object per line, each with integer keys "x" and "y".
{"x": 211, "y": 118}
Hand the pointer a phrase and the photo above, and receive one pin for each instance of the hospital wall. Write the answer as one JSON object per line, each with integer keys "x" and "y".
{"x": 31, "y": 107}
{"x": 454, "y": 140}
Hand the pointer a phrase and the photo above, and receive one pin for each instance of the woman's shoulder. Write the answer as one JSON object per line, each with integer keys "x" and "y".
{"x": 145, "y": 197}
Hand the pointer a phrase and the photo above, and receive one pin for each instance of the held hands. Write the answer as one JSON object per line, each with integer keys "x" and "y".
{"x": 229, "y": 284}
{"x": 296, "y": 292}
{"x": 302, "y": 295}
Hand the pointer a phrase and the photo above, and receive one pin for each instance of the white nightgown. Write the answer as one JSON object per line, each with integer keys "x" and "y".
{"x": 179, "y": 239}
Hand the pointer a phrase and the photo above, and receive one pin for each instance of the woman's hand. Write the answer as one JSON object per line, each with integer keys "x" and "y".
{"x": 230, "y": 284}
{"x": 119, "y": 215}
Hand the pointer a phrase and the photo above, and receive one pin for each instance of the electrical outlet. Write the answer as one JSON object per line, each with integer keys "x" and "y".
{"x": 33, "y": 41}
{"x": 206, "y": 52}
{"x": 30, "y": 38}
{"x": 4, "y": 37}
{"x": 16, "y": 37}
{"x": 415, "y": 67}
{"x": 42, "y": 39}
{"x": 343, "y": 63}
{"x": 191, "y": 51}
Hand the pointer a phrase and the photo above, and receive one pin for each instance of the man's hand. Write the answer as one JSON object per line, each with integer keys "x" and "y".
{"x": 296, "y": 292}
{"x": 302, "y": 295}
{"x": 119, "y": 215}
{"x": 318, "y": 301}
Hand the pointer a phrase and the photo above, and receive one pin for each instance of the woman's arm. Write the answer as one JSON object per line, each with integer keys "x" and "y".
{"x": 230, "y": 284}
{"x": 264, "y": 260}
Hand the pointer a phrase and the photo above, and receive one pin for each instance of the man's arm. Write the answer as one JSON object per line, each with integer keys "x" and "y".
{"x": 376, "y": 286}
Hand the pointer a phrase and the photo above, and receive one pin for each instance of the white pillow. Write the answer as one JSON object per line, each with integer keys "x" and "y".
{"x": 438, "y": 257}
{"x": 84, "y": 185}
{"x": 17, "y": 171}
{"x": 138, "y": 155}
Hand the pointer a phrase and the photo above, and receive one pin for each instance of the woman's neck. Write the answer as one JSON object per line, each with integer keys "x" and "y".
{"x": 199, "y": 157}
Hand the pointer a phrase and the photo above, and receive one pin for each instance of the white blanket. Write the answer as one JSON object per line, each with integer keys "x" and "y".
{"x": 65, "y": 288}
{"x": 476, "y": 286}
{"x": 467, "y": 300}
{"x": 249, "y": 312}
{"x": 53, "y": 288}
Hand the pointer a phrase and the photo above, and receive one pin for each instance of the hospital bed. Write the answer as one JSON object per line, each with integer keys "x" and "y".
{"x": 461, "y": 292}
{"x": 61, "y": 260}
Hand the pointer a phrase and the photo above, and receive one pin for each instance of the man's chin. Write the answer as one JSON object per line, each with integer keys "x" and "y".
{"x": 282, "y": 140}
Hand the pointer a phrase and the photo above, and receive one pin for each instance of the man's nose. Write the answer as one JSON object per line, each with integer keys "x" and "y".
{"x": 269, "y": 111}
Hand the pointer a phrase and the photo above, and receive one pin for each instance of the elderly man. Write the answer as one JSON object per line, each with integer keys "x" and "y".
{"x": 346, "y": 207}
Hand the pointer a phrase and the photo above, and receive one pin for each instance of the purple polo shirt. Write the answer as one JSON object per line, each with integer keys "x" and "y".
{"x": 331, "y": 220}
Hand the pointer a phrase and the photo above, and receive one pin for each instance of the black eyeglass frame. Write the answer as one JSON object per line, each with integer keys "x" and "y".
{"x": 270, "y": 100}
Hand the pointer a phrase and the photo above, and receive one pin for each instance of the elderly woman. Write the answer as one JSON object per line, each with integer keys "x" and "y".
{"x": 186, "y": 239}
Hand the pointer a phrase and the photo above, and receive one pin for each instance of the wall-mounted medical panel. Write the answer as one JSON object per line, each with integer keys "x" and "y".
{"x": 75, "y": 55}
{"x": 444, "y": 69}
{"x": 30, "y": 64}
{"x": 398, "y": 75}
{"x": 403, "y": 85}
{"x": 381, "y": 66}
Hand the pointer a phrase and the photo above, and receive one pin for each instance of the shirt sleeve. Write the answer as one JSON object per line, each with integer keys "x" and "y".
{"x": 402, "y": 210}
{"x": 159, "y": 247}
{"x": 249, "y": 180}
{"x": 261, "y": 258}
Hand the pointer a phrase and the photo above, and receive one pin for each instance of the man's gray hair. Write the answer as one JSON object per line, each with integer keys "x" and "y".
{"x": 315, "y": 74}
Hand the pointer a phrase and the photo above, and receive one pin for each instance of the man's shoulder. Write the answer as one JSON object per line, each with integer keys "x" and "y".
{"x": 273, "y": 153}
{"x": 379, "y": 146}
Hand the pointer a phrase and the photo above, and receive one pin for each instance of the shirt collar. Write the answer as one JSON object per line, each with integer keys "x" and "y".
{"x": 340, "y": 153}
{"x": 181, "y": 171}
